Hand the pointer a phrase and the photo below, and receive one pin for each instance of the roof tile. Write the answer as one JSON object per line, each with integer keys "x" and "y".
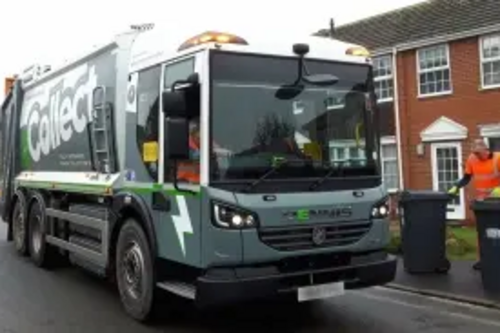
{"x": 423, "y": 20}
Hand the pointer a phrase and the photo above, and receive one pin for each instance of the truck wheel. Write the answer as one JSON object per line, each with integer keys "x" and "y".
{"x": 42, "y": 254}
{"x": 19, "y": 229}
{"x": 134, "y": 271}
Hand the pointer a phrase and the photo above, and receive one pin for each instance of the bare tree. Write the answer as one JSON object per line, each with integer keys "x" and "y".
{"x": 272, "y": 127}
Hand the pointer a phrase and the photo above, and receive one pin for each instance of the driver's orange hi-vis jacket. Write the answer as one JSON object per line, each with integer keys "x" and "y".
{"x": 190, "y": 170}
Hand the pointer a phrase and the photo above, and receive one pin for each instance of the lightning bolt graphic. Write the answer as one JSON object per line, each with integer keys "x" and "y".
{"x": 182, "y": 222}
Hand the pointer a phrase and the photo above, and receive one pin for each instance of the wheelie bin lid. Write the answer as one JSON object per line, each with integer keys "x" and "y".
{"x": 423, "y": 195}
{"x": 488, "y": 204}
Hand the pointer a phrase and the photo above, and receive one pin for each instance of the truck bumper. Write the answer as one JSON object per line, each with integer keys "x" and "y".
{"x": 222, "y": 286}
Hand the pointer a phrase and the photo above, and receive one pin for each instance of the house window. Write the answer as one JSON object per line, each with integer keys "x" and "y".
{"x": 490, "y": 61}
{"x": 335, "y": 100}
{"x": 383, "y": 77}
{"x": 494, "y": 143}
{"x": 434, "y": 74}
{"x": 347, "y": 153}
{"x": 390, "y": 166}
{"x": 351, "y": 155}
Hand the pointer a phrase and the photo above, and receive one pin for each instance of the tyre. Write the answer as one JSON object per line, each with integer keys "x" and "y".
{"x": 444, "y": 269}
{"x": 42, "y": 254}
{"x": 20, "y": 228}
{"x": 134, "y": 271}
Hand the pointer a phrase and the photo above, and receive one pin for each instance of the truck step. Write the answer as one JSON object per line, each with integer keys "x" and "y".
{"x": 95, "y": 231}
{"x": 95, "y": 211}
{"x": 86, "y": 232}
{"x": 87, "y": 265}
{"x": 97, "y": 214}
{"x": 179, "y": 288}
{"x": 86, "y": 242}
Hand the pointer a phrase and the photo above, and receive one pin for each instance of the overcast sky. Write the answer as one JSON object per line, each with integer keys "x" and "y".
{"x": 48, "y": 31}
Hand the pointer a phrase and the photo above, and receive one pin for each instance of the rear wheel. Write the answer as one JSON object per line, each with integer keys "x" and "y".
{"x": 20, "y": 228}
{"x": 134, "y": 271}
{"x": 42, "y": 253}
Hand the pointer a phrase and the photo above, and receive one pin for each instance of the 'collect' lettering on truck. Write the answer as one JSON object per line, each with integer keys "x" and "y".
{"x": 208, "y": 168}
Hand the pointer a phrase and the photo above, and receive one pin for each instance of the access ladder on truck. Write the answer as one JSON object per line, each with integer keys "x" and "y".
{"x": 101, "y": 129}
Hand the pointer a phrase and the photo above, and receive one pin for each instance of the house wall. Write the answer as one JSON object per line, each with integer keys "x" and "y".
{"x": 468, "y": 105}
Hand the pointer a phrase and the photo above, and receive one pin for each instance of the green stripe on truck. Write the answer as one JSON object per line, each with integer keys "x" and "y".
{"x": 99, "y": 189}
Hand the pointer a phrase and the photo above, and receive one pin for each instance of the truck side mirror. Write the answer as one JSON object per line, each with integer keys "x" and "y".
{"x": 184, "y": 101}
{"x": 176, "y": 144}
{"x": 174, "y": 103}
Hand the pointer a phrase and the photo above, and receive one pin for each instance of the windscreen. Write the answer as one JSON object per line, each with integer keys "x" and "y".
{"x": 319, "y": 130}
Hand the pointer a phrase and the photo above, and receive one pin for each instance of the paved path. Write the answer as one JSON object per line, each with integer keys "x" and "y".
{"x": 460, "y": 282}
{"x": 37, "y": 301}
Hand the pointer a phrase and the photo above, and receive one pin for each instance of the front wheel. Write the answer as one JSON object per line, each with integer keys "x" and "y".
{"x": 134, "y": 271}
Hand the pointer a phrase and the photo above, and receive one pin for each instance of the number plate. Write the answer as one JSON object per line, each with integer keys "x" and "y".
{"x": 321, "y": 291}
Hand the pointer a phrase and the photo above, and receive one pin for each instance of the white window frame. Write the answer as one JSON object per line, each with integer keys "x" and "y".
{"x": 389, "y": 141}
{"x": 434, "y": 69}
{"x": 334, "y": 106}
{"x": 482, "y": 61}
{"x": 389, "y": 77}
{"x": 345, "y": 146}
{"x": 489, "y": 131}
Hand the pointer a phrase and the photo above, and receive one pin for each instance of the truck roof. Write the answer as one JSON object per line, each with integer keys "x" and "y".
{"x": 156, "y": 46}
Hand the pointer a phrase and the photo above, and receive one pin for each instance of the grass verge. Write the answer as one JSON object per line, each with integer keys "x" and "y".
{"x": 461, "y": 242}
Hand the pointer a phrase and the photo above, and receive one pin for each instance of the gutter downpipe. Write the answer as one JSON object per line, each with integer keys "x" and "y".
{"x": 397, "y": 117}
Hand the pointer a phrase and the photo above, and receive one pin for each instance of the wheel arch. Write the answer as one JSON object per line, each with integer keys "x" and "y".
{"x": 127, "y": 205}
{"x": 36, "y": 196}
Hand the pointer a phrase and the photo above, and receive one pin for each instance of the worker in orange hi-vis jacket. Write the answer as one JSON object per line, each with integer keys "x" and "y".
{"x": 482, "y": 166}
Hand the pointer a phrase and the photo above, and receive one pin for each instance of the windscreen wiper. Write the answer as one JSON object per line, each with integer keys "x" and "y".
{"x": 331, "y": 170}
{"x": 270, "y": 172}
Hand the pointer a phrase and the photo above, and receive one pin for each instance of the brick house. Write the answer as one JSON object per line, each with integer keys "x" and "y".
{"x": 437, "y": 68}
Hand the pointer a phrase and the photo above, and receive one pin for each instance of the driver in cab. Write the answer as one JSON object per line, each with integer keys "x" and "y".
{"x": 189, "y": 170}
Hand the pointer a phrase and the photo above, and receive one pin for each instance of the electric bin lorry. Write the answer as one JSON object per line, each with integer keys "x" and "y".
{"x": 93, "y": 152}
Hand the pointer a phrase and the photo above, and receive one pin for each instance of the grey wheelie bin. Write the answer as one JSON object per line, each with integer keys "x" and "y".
{"x": 487, "y": 214}
{"x": 423, "y": 231}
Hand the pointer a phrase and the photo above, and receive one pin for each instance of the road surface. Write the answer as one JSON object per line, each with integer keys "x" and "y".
{"x": 37, "y": 301}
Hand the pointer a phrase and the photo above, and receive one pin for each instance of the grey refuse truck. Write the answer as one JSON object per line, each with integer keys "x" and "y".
{"x": 92, "y": 150}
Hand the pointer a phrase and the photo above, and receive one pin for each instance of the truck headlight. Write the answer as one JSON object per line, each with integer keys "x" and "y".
{"x": 229, "y": 217}
{"x": 381, "y": 209}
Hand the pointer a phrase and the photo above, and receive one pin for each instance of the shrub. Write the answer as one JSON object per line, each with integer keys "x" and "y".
{"x": 394, "y": 246}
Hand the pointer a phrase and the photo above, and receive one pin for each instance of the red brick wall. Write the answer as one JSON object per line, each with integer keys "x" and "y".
{"x": 467, "y": 105}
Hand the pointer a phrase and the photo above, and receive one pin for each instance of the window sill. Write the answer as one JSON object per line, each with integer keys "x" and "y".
{"x": 440, "y": 94}
{"x": 385, "y": 100}
{"x": 388, "y": 140}
{"x": 488, "y": 88}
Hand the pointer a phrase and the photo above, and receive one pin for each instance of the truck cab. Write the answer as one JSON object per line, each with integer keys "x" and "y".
{"x": 277, "y": 206}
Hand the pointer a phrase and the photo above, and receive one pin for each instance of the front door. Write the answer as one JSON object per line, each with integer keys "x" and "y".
{"x": 446, "y": 170}
{"x": 180, "y": 219}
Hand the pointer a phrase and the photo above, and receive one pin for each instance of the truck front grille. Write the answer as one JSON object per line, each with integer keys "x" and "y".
{"x": 301, "y": 237}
